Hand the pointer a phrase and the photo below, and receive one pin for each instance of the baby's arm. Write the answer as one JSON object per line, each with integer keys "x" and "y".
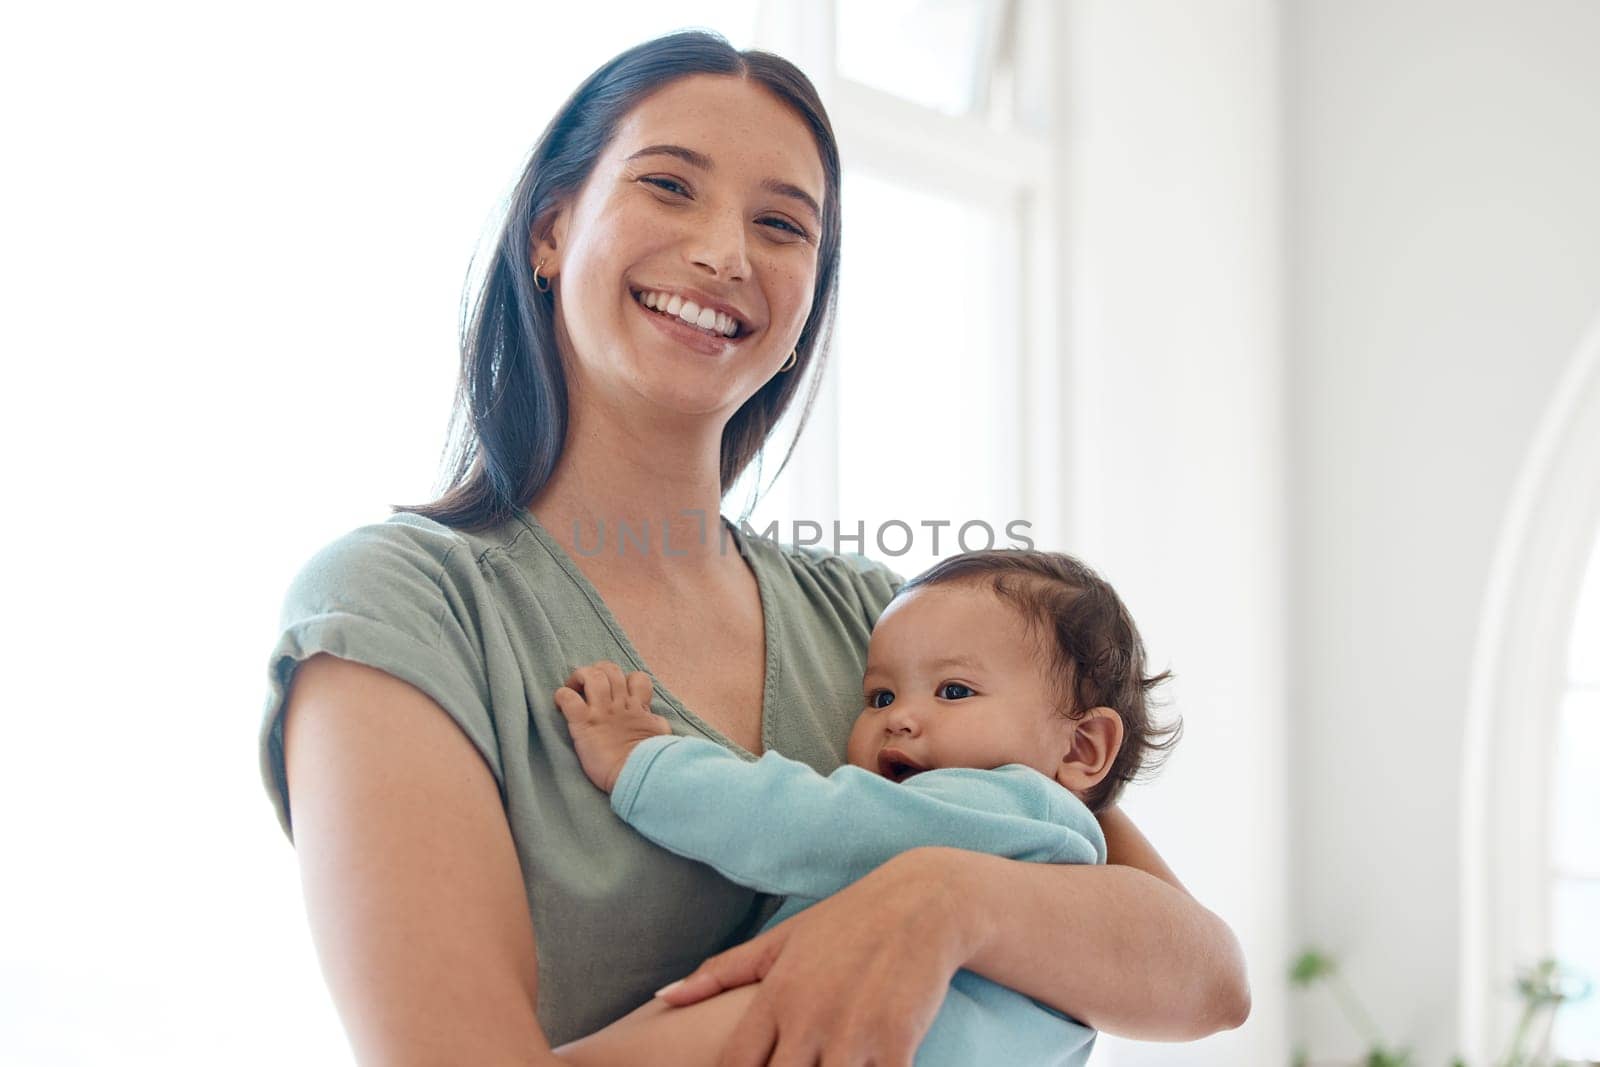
{"x": 777, "y": 826}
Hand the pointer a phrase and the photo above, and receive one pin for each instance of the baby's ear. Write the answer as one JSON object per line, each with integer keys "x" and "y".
{"x": 1096, "y": 740}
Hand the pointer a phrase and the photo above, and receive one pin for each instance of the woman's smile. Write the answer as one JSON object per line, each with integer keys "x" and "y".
{"x": 705, "y": 341}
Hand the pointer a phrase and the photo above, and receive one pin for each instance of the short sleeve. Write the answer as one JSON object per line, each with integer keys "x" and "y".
{"x": 399, "y": 596}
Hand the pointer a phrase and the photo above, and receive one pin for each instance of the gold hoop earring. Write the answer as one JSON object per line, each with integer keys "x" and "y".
{"x": 545, "y": 288}
{"x": 789, "y": 366}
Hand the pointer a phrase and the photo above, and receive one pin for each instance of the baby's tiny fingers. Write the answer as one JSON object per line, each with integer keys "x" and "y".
{"x": 614, "y": 678}
{"x": 593, "y": 682}
{"x": 639, "y": 688}
{"x": 570, "y": 702}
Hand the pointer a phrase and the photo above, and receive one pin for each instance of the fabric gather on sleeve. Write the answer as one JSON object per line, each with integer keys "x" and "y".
{"x": 401, "y": 597}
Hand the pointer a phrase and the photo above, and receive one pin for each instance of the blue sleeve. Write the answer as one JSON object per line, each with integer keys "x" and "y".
{"x": 777, "y": 826}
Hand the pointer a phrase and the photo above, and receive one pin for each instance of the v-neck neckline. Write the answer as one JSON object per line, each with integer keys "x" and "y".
{"x": 769, "y": 627}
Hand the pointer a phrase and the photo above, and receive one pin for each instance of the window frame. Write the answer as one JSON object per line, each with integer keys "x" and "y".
{"x": 1520, "y": 679}
{"x": 970, "y": 158}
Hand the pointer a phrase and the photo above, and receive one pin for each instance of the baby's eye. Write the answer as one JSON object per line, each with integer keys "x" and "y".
{"x": 963, "y": 691}
{"x": 879, "y": 698}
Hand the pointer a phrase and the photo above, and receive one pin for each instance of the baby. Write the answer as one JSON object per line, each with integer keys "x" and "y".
{"x": 1004, "y": 702}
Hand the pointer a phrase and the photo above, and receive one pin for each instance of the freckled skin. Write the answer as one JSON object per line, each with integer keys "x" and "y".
{"x": 715, "y": 231}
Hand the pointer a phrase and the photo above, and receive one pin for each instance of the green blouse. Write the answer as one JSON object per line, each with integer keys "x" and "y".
{"x": 489, "y": 625}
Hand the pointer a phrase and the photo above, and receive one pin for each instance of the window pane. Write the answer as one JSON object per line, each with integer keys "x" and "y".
{"x": 1577, "y": 946}
{"x": 929, "y": 51}
{"x": 926, "y": 365}
{"x": 1577, "y": 786}
{"x": 1583, "y": 654}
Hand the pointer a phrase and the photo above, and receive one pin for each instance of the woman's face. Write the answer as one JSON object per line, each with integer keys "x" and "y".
{"x": 702, "y": 195}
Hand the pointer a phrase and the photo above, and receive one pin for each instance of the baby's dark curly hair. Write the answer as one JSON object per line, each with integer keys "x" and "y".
{"x": 1086, "y": 634}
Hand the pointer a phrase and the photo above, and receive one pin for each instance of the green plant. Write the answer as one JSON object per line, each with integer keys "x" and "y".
{"x": 1543, "y": 989}
{"x": 1313, "y": 966}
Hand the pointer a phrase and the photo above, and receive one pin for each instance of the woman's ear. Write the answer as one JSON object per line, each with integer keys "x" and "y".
{"x": 1096, "y": 740}
{"x": 546, "y": 241}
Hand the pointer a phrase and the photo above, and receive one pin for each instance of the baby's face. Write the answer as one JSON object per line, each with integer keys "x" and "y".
{"x": 952, "y": 681}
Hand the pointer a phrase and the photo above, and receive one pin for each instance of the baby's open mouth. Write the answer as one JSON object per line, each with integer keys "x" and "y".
{"x": 896, "y": 765}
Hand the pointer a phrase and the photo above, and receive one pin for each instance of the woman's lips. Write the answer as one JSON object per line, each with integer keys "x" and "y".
{"x": 691, "y": 336}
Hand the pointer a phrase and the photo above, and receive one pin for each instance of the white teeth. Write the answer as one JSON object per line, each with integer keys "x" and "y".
{"x": 688, "y": 311}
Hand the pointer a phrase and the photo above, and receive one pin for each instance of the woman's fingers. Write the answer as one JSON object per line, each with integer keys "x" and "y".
{"x": 740, "y": 965}
{"x": 753, "y": 1042}
{"x": 855, "y": 979}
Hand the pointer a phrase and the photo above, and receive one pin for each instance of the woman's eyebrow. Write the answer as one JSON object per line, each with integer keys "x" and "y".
{"x": 703, "y": 161}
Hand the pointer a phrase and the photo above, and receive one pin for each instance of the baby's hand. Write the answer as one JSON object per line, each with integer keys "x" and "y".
{"x": 608, "y": 715}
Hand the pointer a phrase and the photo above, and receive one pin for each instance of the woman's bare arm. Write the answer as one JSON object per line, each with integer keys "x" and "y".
{"x": 861, "y": 975}
{"x": 1122, "y": 947}
{"x": 1126, "y": 846}
{"x": 415, "y": 897}
{"x": 664, "y": 1036}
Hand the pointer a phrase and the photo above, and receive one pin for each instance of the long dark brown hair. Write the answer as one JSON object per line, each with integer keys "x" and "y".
{"x": 1088, "y": 636}
{"x": 510, "y": 415}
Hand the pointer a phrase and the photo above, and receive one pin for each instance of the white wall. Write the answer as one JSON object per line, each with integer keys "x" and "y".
{"x": 1445, "y": 233}
{"x": 1175, "y": 394}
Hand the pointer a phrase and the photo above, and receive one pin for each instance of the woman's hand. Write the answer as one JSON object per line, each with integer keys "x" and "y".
{"x": 854, "y": 979}
{"x": 608, "y": 715}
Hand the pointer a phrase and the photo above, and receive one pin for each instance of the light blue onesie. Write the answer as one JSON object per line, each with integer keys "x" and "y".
{"x": 777, "y": 826}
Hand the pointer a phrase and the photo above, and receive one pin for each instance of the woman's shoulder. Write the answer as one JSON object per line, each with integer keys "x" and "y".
{"x": 403, "y": 547}
{"x": 407, "y": 535}
{"x": 406, "y": 596}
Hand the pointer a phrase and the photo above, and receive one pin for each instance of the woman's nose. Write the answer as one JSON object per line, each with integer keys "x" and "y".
{"x": 719, "y": 246}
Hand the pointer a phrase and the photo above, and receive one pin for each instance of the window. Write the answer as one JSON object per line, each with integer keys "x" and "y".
{"x": 948, "y": 200}
{"x": 942, "y": 54}
{"x": 1531, "y": 866}
{"x": 1575, "y": 853}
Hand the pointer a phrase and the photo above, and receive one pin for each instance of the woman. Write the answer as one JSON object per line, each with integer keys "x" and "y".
{"x": 439, "y": 815}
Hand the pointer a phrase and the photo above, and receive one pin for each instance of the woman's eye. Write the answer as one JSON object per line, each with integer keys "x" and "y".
{"x": 663, "y": 183}
{"x": 955, "y": 691}
{"x": 880, "y": 698}
{"x": 677, "y": 188}
{"x": 787, "y": 225}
